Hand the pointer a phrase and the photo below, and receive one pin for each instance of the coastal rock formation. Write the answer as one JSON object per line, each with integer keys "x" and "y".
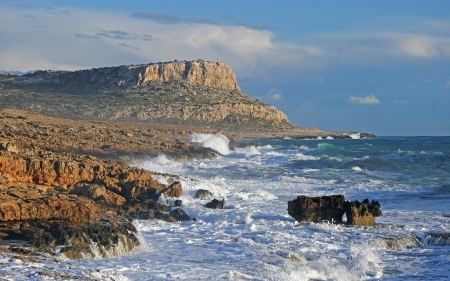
{"x": 216, "y": 204}
{"x": 332, "y": 208}
{"x": 76, "y": 203}
{"x": 317, "y": 209}
{"x": 362, "y": 213}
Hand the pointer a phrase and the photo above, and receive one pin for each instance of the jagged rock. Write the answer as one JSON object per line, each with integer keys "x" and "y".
{"x": 173, "y": 190}
{"x": 76, "y": 239}
{"x": 97, "y": 192}
{"x": 25, "y": 204}
{"x": 363, "y": 213}
{"x": 203, "y": 194}
{"x": 317, "y": 209}
{"x": 216, "y": 204}
{"x": 332, "y": 208}
{"x": 179, "y": 215}
{"x": 255, "y": 144}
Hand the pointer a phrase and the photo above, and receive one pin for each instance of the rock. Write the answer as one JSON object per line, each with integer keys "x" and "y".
{"x": 173, "y": 190}
{"x": 146, "y": 215}
{"x": 255, "y": 144}
{"x": 164, "y": 217}
{"x": 179, "y": 215}
{"x": 9, "y": 146}
{"x": 203, "y": 194}
{"x": 97, "y": 192}
{"x": 317, "y": 209}
{"x": 216, "y": 204}
{"x": 362, "y": 213}
{"x": 178, "y": 203}
{"x": 332, "y": 208}
{"x": 76, "y": 239}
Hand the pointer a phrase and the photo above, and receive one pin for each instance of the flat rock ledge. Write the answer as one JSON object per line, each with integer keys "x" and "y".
{"x": 77, "y": 206}
{"x": 332, "y": 208}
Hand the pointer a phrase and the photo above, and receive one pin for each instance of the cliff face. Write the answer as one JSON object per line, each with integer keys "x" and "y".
{"x": 187, "y": 92}
{"x": 218, "y": 75}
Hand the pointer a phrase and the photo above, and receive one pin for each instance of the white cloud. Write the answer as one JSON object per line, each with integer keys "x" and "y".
{"x": 85, "y": 39}
{"x": 371, "y": 99}
{"x": 273, "y": 95}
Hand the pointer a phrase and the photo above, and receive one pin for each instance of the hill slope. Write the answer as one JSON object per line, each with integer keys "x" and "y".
{"x": 188, "y": 92}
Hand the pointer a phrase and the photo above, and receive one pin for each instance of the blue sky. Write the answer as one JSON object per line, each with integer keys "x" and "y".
{"x": 381, "y": 67}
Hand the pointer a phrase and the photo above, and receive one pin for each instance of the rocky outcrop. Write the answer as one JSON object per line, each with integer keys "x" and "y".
{"x": 332, "y": 208}
{"x": 362, "y": 213}
{"x": 77, "y": 204}
{"x": 317, "y": 209}
{"x": 216, "y": 204}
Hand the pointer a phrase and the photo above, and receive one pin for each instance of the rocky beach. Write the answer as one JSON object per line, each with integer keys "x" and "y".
{"x": 67, "y": 140}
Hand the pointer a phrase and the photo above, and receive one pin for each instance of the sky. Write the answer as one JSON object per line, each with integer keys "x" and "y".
{"x": 380, "y": 67}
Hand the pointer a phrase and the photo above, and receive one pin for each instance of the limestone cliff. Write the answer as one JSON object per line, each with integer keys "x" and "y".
{"x": 187, "y": 92}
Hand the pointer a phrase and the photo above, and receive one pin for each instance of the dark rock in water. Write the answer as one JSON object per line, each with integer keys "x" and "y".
{"x": 179, "y": 215}
{"x": 332, "y": 208}
{"x": 362, "y": 213}
{"x": 164, "y": 217}
{"x": 255, "y": 144}
{"x": 216, "y": 204}
{"x": 146, "y": 215}
{"x": 317, "y": 209}
{"x": 178, "y": 203}
{"x": 161, "y": 207}
{"x": 400, "y": 242}
{"x": 438, "y": 239}
{"x": 97, "y": 238}
{"x": 203, "y": 194}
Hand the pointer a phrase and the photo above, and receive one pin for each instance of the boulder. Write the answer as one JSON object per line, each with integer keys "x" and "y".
{"x": 203, "y": 194}
{"x": 317, "y": 209}
{"x": 363, "y": 213}
{"x": 173, "y": 190}
{"x": 179, "y": 215}
{"x": 216, "y": 204}
{"x": 164, "y": 217}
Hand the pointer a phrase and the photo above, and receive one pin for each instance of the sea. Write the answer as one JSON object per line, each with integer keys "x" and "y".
{"x": 254, "y": 238}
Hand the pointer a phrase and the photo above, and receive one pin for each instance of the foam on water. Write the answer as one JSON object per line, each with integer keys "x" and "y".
{"x": 218, "y": 142}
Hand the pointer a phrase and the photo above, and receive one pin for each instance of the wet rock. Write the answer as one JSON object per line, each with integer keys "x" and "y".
{"x": 398, "y": 242}
{"x": 164, "y": 217}
{"x": 437, "y": 239}
{"x": 332, "y": 208}
{"x": 179, "y": 215}
{"x": 216, "y": 204}
{"x": 317, "y": 209}
{"x": 255, "y": 144}
{"x": 146, "y": 215}
{"x": 173, "y": 190}
{"x": 363, "y": 213}
{"x": 203, "y": 194}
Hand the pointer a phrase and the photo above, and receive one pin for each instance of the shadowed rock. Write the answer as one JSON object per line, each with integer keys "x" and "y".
{"x": 332, "y": 208}
{"x": 317, "y": 209}
{"x": 179, "y": 215}
{"x": 216, "y": 204}
{"x": 203, "y": 194}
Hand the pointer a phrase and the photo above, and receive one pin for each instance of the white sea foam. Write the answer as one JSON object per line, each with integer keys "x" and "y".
{"x": 355, "y": 136}
{"x": 218, "y": 142}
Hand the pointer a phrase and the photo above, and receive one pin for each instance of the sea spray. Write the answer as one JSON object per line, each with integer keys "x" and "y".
{"x": 218, "y": 142}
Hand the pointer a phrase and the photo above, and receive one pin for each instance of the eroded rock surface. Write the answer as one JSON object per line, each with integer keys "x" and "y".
{"x": 332, "y": 208}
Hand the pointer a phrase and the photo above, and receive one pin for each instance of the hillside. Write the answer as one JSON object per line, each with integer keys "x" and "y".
{"x": 188, "y": 92}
